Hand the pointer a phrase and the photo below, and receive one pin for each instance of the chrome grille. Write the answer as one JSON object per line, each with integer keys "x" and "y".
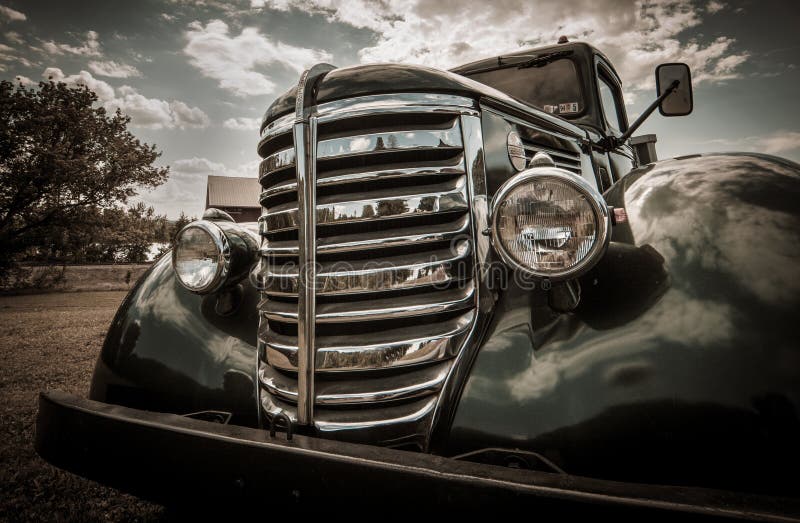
{"x": 395, "y": 246}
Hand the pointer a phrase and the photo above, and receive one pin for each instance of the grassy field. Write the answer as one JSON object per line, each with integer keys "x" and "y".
{"x": 51, "y": 341}
{"x": 77, "y": 278}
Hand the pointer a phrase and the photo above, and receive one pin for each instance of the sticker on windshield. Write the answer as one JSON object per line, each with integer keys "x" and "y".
{"x": 552, "y": 109}
{"x": 570, "y": 107}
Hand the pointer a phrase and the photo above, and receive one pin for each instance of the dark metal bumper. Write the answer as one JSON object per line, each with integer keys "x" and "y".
{"x": 174, "y": 459}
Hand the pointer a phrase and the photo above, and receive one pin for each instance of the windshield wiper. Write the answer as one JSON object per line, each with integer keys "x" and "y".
{"x": 544, "y": 59}
{"x": 532, "y": 61}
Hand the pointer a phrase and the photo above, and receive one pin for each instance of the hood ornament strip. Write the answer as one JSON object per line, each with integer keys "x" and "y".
{"x": 305, "y": 143}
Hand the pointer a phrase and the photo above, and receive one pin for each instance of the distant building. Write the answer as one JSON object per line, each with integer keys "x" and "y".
{"x": 236, "y": 196}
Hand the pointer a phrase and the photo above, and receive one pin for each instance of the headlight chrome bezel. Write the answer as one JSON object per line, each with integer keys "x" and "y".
{"x": 222, "y": 244}
{"x": 595, "y": 199}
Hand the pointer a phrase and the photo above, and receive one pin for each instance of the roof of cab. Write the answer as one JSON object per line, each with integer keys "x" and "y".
{"x": 578, "y": 47}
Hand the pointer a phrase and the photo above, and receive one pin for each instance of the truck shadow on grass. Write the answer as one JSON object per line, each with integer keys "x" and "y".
{"x": 51, "y": 341}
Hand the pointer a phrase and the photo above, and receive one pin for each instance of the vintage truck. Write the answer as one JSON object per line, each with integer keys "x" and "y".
{"x": 469, "y": 287}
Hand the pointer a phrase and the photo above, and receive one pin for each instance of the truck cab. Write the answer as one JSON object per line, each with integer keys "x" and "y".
{"x": 577, "y": 82}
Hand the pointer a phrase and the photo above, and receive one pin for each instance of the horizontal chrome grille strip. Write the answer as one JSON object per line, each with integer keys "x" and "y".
{"x": 390, "y": 141}
{"x": 384, "y": 424}
{"x": 375, "y": 350}
{"x": 278, "y": 126}
{"x": 374, "y": 275}
{"x": 375, "y": 205}
{"x": 276, "y": 161}
{"x": 461, "y": 297}
{"x": 397, "y": 237}
{"x": 395, "y": 103}
{"x": 404, "y": 419}
{"x": 353, "y": 392}
{"x": 350, "y": 177}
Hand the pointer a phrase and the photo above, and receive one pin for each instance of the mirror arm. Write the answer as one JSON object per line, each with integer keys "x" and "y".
{"x": 612, "y": 142}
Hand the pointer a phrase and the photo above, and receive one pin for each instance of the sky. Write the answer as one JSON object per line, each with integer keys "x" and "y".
{"x": 195, "y": 76}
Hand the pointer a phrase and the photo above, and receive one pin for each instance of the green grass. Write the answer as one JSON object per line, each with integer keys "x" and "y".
{"x": 77, "y": 278}
{"x": 51, "y": 341}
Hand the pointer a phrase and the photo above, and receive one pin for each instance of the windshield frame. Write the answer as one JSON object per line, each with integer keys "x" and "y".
{"x": 584, "y": 56}
{"x": 579, "y": 73}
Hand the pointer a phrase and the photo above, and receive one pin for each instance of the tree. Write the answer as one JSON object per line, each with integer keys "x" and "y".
{"x": 180, "y": 223}
{"x": 61, "y": 160}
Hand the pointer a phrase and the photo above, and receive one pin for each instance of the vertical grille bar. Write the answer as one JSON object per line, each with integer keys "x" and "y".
{"x": 305, "y": 145}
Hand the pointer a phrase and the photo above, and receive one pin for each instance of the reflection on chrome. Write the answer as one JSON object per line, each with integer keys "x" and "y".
{"x": 391, "y": 273}
{"x": 391, "y": 141}
{"x": 279, "y": 160}
{"x": 449, "y": 231}
{"x": 392, "y": 348}
{"x": 451, "y": 167}
{"x": 414, "y": 102}
{"x": 462, "y": 296}
{"x": 403, "y": 386}
{"x": 394, "y": 203}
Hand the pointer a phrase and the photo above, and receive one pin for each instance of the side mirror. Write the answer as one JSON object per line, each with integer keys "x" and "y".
{"x": 680, "y": 102}
{"x": 674, "y": 84}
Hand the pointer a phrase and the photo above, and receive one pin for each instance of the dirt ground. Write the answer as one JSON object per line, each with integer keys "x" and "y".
{"x": 51, "y": 341}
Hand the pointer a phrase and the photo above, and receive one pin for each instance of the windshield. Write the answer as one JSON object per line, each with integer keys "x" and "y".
{"x": 552, "y": 87}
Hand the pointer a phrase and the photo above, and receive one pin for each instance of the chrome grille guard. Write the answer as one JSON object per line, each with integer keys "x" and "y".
{"x": 371, "y": 296}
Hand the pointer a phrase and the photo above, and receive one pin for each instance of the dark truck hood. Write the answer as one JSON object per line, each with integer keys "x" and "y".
{"x": 362, "y": 80}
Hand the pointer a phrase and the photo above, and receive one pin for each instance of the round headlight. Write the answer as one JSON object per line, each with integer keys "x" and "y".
{"x": 549, "y": 223}
{"x": 201, "y": 257}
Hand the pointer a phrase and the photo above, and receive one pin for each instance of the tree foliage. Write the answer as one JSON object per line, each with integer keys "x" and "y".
{"x": 65, "y": 165}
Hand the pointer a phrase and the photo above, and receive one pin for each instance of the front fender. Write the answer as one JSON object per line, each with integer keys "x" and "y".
{"x": 168, "y": 350}
{"x": 681, "y": 365}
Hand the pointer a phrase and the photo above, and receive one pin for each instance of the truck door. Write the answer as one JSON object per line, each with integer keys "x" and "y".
{"x": 621, "y": 160}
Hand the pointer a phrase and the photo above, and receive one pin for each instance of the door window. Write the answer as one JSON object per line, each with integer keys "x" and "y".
{"x": 611, "y": 109}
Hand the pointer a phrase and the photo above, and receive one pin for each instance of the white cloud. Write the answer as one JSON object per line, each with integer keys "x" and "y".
{"x": 186, "y": 187}
{"x": 11, "y": 14}
{"x": 234, "y": 61}
{"x": 189, "y": 168}
{"x": 6, "y": 55}
{"x": 144, "y": 112}
{"x": 139, "y": 57}
{"x": 779, "y": 142}
{"x": 184, "y": 116}
{"x": 113, "y": 69}
{"x": 14, "y": 37}
{"x": 636, "y": 35}
{"x": 776, "y": 142}
{"x": 714, "y": 6}
{"x": 242, "y": 124}
{"x": 24, "y": 80}
{"x": 197, "y": 165}
{"x": 105, "y": 93}
{"x": 155, "y": 113}
{"x": 90, "y": 47}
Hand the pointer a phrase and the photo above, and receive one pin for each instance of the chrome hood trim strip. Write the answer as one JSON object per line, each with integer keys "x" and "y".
{"x": 305, "y": 143}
